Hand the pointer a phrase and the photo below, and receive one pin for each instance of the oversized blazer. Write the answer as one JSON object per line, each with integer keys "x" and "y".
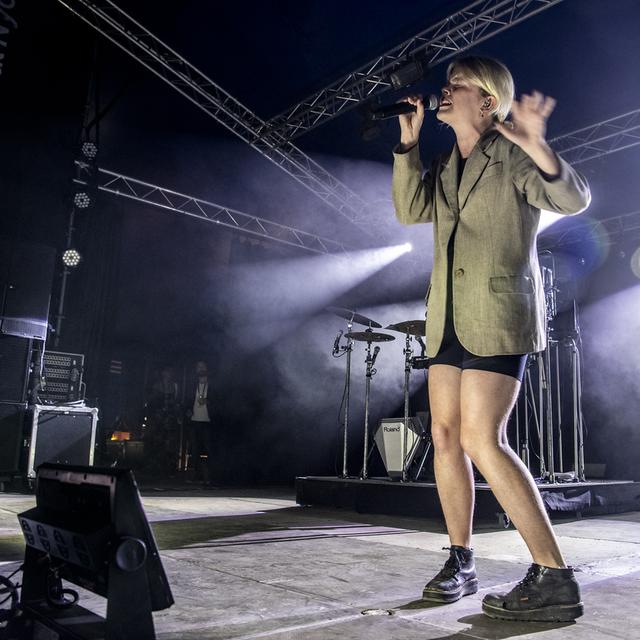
{"x": 498, "y": 296}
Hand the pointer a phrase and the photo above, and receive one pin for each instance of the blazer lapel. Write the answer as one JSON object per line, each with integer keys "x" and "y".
{"x": 449, "y": 179}
{"x": 476, "y": 164}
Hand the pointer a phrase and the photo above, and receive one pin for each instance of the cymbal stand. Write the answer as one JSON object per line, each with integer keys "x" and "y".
{"x": 348, "y": 348}
{"x": 551, "y": 465}
{"x": 370, "y": 372}
{"x": 347, "y": 393}
{"x": 542, "y": 386}
{"x": 560, "y": 455}
{"x": 578, "y": 422}
{"x": 408, "y": 352}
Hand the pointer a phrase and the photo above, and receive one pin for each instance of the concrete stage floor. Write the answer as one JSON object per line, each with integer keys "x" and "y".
{"x": 249, "y": 563}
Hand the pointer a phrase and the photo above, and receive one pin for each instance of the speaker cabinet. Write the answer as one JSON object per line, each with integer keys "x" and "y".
{"x": 12, "y": 416}
{"x": 26, "y": 278}
{"x": 15, "y": 355}
{"x": 65, "y": 435}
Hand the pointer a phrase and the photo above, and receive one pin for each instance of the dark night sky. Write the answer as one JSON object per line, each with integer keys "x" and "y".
{"x": 269, "y": 55}
{"x": 275, "y": 53}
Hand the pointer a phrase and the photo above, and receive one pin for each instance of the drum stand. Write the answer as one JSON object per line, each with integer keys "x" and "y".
{"x": 370, "y": 372}
{"x": 578, "y": 425}
{"x": 347, "y": 393}
{"x": 408, "y": 353}
{"x": 367, "y": 336}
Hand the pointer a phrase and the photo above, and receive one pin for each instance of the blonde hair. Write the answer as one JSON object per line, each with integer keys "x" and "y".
{"x": 491, "y": 77}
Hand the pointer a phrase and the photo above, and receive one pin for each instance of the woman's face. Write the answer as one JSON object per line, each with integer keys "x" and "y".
{"x": 461, "y": 101}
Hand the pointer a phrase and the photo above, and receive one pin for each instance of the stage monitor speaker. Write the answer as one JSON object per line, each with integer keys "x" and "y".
{"x": 26, "y": 278}
{"x": 15, "y": 356}
{"x": 388, "y": 439}
{"x": 89, "y": 528}
{"x": 61, "y": 434}
{"x": 11, "y": 430}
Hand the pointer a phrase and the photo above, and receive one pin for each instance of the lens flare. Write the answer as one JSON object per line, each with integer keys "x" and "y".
{"x": 635, "y": 263}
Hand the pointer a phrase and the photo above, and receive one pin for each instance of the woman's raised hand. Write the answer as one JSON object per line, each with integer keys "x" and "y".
{"x": 528, "y": 126}
{"x": 411, "y": 123}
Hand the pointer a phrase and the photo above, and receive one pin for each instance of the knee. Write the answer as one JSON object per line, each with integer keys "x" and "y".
{"x": 445, "y": 437}
{"x": 479, "y": 446}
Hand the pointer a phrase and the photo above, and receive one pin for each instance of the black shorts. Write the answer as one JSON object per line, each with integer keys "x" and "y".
{"x": 454, "y": 354}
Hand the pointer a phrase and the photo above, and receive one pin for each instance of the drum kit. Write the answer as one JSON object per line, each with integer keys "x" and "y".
{"x": 411, "y": 329}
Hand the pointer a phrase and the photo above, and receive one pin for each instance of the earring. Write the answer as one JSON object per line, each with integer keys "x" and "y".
{"x": 482, "y": 113}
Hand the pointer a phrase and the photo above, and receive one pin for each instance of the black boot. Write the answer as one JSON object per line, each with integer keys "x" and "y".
{"x": 544, "y": 595}
{"x": 456, "y": 579}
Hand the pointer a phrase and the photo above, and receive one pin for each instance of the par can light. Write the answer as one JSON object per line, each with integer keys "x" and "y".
{"x": 89, "y": 150}
{"x": 71, "y": 258}
{"x": 81, "y": 200}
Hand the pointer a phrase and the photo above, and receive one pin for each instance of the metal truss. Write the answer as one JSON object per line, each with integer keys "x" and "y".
{"x": 133, "y": 189}
{"x": 460, "y": 31}
{"x": 128, "y": 34}
{"x": 608, "y": 231}
{"x": 599, "y": 139}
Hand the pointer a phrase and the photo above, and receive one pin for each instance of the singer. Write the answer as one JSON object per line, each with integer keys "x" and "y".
{"x": 485, "y": 313}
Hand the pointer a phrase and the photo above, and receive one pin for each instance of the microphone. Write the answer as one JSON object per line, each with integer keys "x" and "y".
{"x": 431, "y": 103}
{"x": 376, "y": 351}
{"x": 336, "y": 342}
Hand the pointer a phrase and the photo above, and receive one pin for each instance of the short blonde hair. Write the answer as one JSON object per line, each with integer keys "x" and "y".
{"x": 491, "y": 77}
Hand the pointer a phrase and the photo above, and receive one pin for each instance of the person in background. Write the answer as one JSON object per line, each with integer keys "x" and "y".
{"x": 200, "y": 440}
{"x": 161, "y": 429}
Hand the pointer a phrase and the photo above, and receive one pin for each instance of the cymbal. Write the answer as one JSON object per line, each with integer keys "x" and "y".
{"x": 369, "y": 336}
{"x": 351, "y": 315}
{"x": 412, "y": 327}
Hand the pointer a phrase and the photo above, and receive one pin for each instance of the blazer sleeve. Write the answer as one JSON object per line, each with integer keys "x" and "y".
{"x": 567, "y": 193}
{"x": 413, "y": 193}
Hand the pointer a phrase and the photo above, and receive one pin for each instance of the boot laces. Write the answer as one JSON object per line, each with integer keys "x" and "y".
{"x": 451, "y": 566}
{"x": 529, "y": 578}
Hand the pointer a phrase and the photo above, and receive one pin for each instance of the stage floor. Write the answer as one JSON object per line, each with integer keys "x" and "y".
{"x": 251, "y": 563}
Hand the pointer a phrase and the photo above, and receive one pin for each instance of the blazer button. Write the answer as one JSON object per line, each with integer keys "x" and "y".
{"x": 459, "y": 273}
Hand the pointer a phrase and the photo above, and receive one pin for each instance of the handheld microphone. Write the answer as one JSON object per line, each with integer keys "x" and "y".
{"x": 376, "y": 351}
{"x": 431, "y": 103}
{"x": 336, "y": 343}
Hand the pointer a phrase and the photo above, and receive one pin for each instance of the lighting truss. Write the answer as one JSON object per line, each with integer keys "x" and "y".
{"x": 460, "y": 31}
{"x": 599, "y": 139}
{"x": 608, "y": 231}
{"x": 133, "y": 189}
{"x": 128, "y": 34}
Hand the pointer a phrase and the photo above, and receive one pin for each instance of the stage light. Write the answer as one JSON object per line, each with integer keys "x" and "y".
{"x": 81, "y": 200}
{"x": 409, "y": 73}
{"x": 89, "y": 150}
{"x": 71, "y": 258}
{"x": 89, "y": 528}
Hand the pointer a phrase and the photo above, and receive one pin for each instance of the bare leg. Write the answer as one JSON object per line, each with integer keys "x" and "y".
{"x": 454, "y": 474}
{"x": 486, "y": 400}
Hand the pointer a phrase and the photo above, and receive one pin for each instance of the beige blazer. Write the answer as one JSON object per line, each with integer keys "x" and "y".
{"x": 498, "y": 297}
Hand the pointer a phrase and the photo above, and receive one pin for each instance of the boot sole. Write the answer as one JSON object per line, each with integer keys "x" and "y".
{"x": 446, "y": 597}
{"x": 555, "y": 613}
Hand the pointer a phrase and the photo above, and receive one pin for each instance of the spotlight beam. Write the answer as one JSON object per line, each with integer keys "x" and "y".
{"x": 280, "y": 292}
